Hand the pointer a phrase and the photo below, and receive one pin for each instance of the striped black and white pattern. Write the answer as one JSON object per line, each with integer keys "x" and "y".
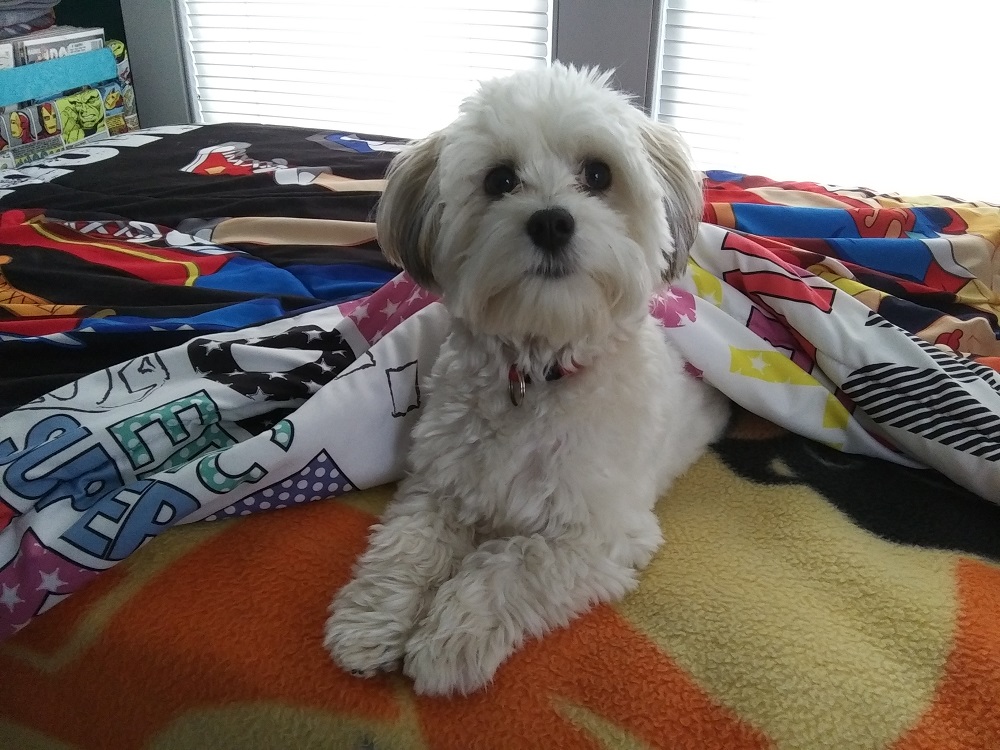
{"x": 958, "y": 367}
{"x": 934, "y": 401}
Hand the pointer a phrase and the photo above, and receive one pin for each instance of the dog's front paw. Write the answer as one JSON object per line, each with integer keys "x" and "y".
{"x": 457, "y": 648}
{"x": 444, "y": 662}
{"x": 642, "y": 543}
{"x": 363, "y": 640}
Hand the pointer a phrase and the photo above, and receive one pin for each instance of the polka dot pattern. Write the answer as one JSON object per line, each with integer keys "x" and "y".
{"x": 320, "y": 478}
{"x": 282, "y": 434}
{"x": 128, "y": 432}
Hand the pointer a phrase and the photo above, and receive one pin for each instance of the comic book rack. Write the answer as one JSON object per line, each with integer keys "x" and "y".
{"x": 52, "y": 105}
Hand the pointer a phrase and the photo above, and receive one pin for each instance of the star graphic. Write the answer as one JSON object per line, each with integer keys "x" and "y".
{"x": 313, "y": 335}
{"x": 378, "y": 336}
{"x": 211, "y": 346}
{"x": 324, "y": 367}
{"x": 276, "y": 376}
{"x": 51, "y": 581}
{"x": 360, "y": 312}
{"x": 313, "y": 387}
{"x": 390, "y": 308}
{"x": 758, "y": 363}
{"x": 10, "y": 598}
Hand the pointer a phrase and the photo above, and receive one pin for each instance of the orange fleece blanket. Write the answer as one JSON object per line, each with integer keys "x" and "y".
{"x": 777, "y": 615}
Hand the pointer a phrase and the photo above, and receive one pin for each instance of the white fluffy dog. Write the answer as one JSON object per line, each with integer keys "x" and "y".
{"x": 545, "y": 216}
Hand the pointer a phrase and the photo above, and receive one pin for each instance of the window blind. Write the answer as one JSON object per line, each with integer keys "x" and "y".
{"x": 888, "y": 94}
{"x": 391, "y": 67}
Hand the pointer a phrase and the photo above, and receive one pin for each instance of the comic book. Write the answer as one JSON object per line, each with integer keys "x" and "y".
{"x": 55, "y": 42}
{"x": 6, "y": 55}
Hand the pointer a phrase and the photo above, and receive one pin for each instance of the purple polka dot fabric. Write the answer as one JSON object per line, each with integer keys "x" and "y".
{"x": 318, "y": 479}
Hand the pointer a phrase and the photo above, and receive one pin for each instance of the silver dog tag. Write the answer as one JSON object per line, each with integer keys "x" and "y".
{"x": 515, "y": 385}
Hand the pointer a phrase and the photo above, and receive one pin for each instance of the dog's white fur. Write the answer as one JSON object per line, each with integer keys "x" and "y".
{"x": 514, "y": 519}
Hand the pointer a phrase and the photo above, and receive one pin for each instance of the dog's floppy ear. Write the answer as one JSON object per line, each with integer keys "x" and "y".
{"x": 409, "y": 213}
{"x": 683, "y": 199}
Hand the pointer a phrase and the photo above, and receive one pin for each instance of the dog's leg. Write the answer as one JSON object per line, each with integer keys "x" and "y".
{"x": 409, "y": 555}
{"x": 505, "y": 591}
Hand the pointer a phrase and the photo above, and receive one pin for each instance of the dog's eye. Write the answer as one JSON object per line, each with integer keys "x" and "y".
{"x": 500, "y": 180}
{"x": 597, "y": 175}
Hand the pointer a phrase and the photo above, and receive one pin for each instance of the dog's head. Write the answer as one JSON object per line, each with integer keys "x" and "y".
{"x": 550, "y": 209}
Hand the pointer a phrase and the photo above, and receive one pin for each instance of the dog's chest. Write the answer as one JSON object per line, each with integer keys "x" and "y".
{"x": 556, "y": 459}
{"x": 528, "y": 468}
{"x": 516, "y": 474}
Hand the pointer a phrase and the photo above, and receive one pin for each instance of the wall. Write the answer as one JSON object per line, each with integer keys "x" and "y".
{"x": 154, "y": 52}
{"x": 623, "y": 35}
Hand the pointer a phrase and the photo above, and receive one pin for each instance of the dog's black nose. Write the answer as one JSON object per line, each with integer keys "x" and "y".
{"x": 551, "y": 228}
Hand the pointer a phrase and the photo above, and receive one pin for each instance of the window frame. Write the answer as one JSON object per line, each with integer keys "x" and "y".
{"x": 631, "y": 46}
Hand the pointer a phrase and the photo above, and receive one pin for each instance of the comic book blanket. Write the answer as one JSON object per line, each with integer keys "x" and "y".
{"x": 861, "y": 321}
{"x": 865, "y": 323}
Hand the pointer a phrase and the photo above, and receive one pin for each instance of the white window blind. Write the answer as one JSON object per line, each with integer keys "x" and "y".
{"x": 889, "y": 94}
{"x": 390, "y": 67}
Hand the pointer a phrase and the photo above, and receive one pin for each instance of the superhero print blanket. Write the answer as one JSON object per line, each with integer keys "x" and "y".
{"x": 196, "y": 325}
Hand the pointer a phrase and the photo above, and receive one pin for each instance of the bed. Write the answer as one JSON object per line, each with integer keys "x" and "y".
{"x": 207, "y": 377}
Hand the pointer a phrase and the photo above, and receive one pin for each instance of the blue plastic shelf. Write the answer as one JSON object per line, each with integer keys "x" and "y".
{"x": 44, "y": 80}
